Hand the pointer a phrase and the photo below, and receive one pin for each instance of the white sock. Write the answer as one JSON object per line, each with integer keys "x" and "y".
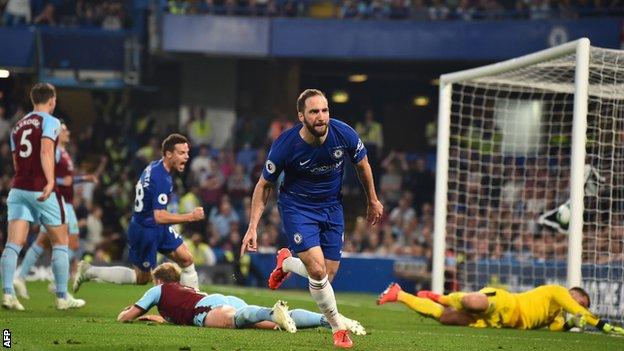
{"x": 323, "y": 293}
{"x": 117, "y": 274}
{"x": 189, "y": 277}
{"x": 293, "y": 264}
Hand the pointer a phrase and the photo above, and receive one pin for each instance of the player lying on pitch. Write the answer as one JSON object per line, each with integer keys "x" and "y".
{"x": 544, "y": 306}
{"x": 183, "y": 305}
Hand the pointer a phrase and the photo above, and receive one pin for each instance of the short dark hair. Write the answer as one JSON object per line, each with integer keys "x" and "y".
{"x": 583, "y": 293}
{"x": 308, "y": 93}
{"x": 167, "y": 272}
{"x": 42, "y": 93}
{"x": 171, "y": 141}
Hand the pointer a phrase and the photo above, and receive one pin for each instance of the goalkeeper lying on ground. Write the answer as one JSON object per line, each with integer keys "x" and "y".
{"x": 544, "y": 306}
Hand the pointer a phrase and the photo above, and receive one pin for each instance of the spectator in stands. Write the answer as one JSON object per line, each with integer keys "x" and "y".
{"x": 222, "y": 218}
{"x": 371, "y": 134}
{"x": 202, "y": 253}
{"x": 5, "y": 124}
{"x": 420, "y": 182}
{"x": 464, "y": 11}
{"x": 566, "y": 9}
{"x": 17, "y": 12}
{"x": 391, "y": 182}
{"x": 213, "y": 186}
{"x": 279, "y": 125}
{"x": 200, "y": 165}
{"x": 200, "y": 128}
{"x": 539, "y": 9}
{"x": 47, "y": 16}
{"x": 438, "y": 10}
{"x": 238, "y": 186}
{"x": 419, "y": 10}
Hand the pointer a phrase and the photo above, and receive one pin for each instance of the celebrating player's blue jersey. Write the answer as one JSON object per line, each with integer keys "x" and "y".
{"x": 152, "y": 192}
{"x": 313, "y": 174}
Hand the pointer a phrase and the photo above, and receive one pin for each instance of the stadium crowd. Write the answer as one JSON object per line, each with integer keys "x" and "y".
{"x": 220, "y": 180}
{"x": 466, "y": 10}
{"x": 107, "y": 14}
{"x": 124, "y": 139}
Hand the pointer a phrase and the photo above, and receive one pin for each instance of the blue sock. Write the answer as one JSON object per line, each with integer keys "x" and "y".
{"x": 60, "y": 268}
{"x": 32, "y": 255}
{"x": 250, "y": 315}
{"x": 307, "y": 319}
{"x": 8, "y": 264}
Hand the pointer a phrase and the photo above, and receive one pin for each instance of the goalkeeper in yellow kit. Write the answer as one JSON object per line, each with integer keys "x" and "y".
{"x": 544, "y": 306}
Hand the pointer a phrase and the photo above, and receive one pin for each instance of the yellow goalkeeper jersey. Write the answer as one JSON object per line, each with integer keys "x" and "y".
{"x": 541, "y": 307}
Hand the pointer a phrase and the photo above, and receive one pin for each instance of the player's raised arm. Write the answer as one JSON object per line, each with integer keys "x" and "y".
{"x": 258, "y": 203}
{"x": 365, "y": 174}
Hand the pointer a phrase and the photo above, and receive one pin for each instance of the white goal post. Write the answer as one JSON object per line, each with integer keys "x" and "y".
{"x": 518, "y": 141}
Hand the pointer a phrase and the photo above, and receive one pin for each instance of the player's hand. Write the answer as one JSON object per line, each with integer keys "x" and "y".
{"x": 47, "y": 191}
{"x": 249, "y": 242}
{"x": 608, "y": 328}
{"x": 577, "y": 321}
{"x": 374, "y": 212}
{"x": 152, "y": 318}
{"x": 198, "y": 214}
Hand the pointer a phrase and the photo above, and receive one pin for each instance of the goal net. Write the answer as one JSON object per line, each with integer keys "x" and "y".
{"x": 518, "y": 168}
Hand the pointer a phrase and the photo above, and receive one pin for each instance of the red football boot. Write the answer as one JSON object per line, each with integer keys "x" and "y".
{"x": 342, "y": 339}
{"x": 390, "y": 294}
{"x": 278, "y": 275}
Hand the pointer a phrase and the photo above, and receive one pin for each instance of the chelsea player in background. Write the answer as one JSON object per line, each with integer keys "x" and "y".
{"x": 151, "y": 228}
{"x": 312, "y": 156}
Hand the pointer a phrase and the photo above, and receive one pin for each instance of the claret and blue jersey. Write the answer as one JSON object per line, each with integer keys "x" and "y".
{"x": 309, "y": 199}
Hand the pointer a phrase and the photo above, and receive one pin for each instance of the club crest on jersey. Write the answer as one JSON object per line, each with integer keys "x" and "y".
{"x": 337, "y": 154}
{"x": 298, "y": 238}
{"x": 162, "y": 199}
{"x": 270, "y": 166}
{"x": 146, "y": 264}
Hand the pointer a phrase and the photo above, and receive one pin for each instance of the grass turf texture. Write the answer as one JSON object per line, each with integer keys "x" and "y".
{"x": 390, "y": 327}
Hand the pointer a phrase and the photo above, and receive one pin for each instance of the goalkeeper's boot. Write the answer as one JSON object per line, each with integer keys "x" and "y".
{"x": 342, "y": 339}
{"x": 69, "y": 302}
{"x": 19, "y": 284}
{"x": 391, "y": 294}
{"x": 278, "y": 275}
{"x": 81, "y": 275}
{"x": 282, "y": 318}
{"x": 353, "y": 326}
{"x": 10, "y": 302}
{"x": 426, "y": 294}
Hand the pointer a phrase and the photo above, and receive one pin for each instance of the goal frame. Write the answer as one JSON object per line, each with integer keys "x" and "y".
{"x": 581, "y": 48}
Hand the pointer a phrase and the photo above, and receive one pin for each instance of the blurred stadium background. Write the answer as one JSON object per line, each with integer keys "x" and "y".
{"x": 227, "y": 74}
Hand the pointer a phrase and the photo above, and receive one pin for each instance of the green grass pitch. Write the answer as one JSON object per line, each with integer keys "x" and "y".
{"x": 390, "y": 327}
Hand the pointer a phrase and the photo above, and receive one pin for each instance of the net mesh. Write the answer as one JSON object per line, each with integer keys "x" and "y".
{"x": 509, "y": 173}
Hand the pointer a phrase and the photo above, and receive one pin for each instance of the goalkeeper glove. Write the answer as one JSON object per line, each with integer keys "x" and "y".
{"x": 610, "y": 329}
{"x": 577, "y": 321}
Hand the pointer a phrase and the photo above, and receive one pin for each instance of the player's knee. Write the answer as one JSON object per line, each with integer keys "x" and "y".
{"x": 316, "y": 271}
{"x": 475, "y": 302}
{"x": 185, "y": 261}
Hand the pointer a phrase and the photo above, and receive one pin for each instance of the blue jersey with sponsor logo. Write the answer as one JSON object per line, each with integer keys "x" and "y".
{"x": 313, "y": 174}
{"x": 152, "y": 192}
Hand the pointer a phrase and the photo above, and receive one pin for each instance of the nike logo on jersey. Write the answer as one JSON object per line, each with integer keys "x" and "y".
{"x": 304, "y": 162}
